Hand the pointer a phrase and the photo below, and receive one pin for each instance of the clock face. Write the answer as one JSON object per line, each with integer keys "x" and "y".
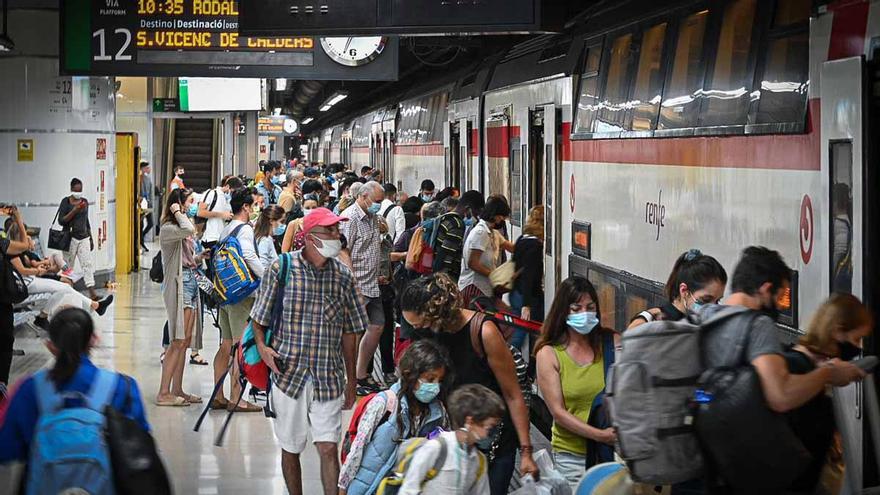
{"x": 353, "y": 51}
{"x": 290, "y": 126}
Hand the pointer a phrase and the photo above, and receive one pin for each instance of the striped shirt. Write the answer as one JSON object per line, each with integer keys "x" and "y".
{"x": 319, "y": 305}
{"x": 449, "y": 244}
{"x": 364, "y": 244}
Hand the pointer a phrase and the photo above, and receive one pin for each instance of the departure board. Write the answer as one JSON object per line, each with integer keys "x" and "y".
{"x": 193, "y": 38}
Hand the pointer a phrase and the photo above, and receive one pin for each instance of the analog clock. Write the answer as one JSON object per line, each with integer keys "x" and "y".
{"x": 353, "y": 52}
{"x": 290, "y": 126}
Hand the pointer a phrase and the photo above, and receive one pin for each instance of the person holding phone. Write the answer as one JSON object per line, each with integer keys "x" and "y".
{"x": 834, "y": 333}
{"x": 73, "y": 215}
{"x": 9, "y": 247}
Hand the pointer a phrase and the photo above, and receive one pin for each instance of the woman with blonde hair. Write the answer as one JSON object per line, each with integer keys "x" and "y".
{"x": 527, "y": 296}
{"x": 835, "y": 332}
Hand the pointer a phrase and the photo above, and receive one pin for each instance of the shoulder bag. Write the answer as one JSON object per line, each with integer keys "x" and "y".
{"x": 59, "y": 238}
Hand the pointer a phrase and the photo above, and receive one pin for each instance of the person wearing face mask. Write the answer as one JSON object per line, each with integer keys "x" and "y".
{"x": 73, "y": 215}
{"x": 294, "y": 227}
{"x": 760, "y": 288}
{"x": 696, "y": 280}
{"x": 313, "y": 383}
{"x": 451, "y": 233}
{"x": 426, "y": 191}
{"x": 270, "y": 186}
{"x": 573, "y": 355}
{"x": 412, "y": 407}
{"x": 835, "y": 331}
{"x": 232, "y": 318}
{"x": 269, "y": 224}
{"x": 480, "y": 355}
{"x": 177, "y": 181}
{"x": 480, "y": 251}
{"x": 475, "y": 412}
{"x": 364, "y": 250}
{"x": 292, "y": 193}
{"x": 215, "y": 208}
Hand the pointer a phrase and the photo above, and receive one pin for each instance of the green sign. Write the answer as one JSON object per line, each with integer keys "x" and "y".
{"x": 165, "y": 105}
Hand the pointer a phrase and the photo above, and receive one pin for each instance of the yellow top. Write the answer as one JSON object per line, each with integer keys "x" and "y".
{"x": 580, "y": 386}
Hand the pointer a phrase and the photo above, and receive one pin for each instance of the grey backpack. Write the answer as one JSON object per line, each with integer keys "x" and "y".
{"x": 651, "y": 398}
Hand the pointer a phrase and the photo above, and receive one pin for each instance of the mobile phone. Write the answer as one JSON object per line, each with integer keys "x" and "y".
{"x": 866, "y": 363}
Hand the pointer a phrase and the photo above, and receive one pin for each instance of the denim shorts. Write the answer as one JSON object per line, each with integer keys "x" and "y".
{"x": 190, "y": 289}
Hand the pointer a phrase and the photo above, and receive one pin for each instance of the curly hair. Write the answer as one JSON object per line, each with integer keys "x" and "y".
{"x": 436, "y": 299}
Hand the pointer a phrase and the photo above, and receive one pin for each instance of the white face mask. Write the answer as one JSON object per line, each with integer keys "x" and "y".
{"x": 76, "y": 195}
{"x": 329, "y": 248}
{"x": 306, "y": 211}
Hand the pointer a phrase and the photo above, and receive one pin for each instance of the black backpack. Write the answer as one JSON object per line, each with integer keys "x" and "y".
{"x": 157, "y": 274}
{"x": 13, "y": 288}
{"x": 199, "y": 220}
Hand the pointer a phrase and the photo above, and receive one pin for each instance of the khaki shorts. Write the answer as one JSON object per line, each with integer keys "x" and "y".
{"x": 295, "y": 418}
{"x": 234, "y": 318}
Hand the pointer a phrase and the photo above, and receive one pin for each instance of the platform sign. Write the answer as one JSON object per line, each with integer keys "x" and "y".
{"x": 363, "y": 17}
{"x": 193, "y": 38}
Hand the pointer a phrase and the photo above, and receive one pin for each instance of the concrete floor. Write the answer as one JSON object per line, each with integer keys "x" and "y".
{"x": 131, "y": 337}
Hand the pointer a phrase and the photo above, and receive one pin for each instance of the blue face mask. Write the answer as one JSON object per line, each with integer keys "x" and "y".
{"x": 469, "y": 221}
{"x": 276, "y": 180}
{"x": 374, "y": 208}
{"x": 427, "y": 198}
{"x": 486, "y": 443}
{"x": 279, "y": 230}
{"x": 583, "y": 322}
{"x": 228, "y": 196}
{"x": 427, "y": 392}
{"x": 192, "y": 210}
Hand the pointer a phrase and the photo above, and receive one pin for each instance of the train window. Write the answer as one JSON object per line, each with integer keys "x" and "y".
{"x": 726, "y": 96}
{"x": 516, "y": 191}
{"x": 649, "y": 79}
{"x": 685, "y": 81}
{"x": 789, "y": 12}
{"x": 612, "y": 114}
{"x": 841, "y": 160}
{"x": 589, "y": 97}
{"x": 784, "y": 85}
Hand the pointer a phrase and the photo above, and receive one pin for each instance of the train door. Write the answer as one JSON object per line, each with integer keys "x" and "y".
{"x": 498, "y": 147}
{"x": 451, "y": 139}
{"x": 843, "y": 130}
{"x": 552, "y": 203}
{"x": 519, "y": 165}
{"x": 465, "y": 155}
{"x": 388, "y": 154}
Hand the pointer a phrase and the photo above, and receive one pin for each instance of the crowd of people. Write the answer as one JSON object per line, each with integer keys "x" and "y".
{"x": 361, "y": 290}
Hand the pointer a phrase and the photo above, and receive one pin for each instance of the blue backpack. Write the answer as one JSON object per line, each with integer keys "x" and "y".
{"x": 233, "y": 279}
{"x": 69, "y": 452}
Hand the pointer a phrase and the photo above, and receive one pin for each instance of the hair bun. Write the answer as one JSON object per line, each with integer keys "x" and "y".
{"x": 692, "y": 254}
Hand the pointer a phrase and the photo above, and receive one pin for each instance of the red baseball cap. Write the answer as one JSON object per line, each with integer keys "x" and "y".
{"x": 320, "y": 217}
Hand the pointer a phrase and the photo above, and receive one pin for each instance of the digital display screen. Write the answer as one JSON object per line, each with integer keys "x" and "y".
{"x": 217, "y": 94}
{"x": 581, "y": 238}
{"x": 191, "y": 38}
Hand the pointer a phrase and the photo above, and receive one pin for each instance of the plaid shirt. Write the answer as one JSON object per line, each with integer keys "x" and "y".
{"x": 319, "y": 305}
{"x": 364, "y": 244}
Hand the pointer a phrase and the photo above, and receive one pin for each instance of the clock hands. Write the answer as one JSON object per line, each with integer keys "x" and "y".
{"x": 347, "y": 44}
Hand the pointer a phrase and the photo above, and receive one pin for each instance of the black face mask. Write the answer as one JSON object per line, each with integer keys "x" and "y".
{"x": 848, "y": 351}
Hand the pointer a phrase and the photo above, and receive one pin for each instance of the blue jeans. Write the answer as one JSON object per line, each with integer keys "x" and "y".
{"x": 516, "y": 304}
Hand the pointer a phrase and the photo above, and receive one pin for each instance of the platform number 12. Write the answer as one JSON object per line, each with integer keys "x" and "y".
{"x": 102, "y": 45}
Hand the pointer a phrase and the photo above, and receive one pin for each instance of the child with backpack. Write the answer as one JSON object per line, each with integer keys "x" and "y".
{"x": 412, "y": 407}
{"x": 475, "y": 412}
{"x": 41, "y": 410}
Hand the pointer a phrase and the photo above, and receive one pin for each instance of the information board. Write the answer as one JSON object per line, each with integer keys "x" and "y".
{"x": 193, "y": 38}
{"x": 382, "y": 17}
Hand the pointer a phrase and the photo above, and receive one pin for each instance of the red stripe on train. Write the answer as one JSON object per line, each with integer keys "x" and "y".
{"x": 498, "y": 140}
{"x": 475, "y": 142}
{"x": 419, "y": 149}
{"x": 782, "y": 151}
{"x": 848, "y": 28}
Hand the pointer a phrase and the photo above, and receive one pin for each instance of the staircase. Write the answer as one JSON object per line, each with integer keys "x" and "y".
{"x": 194, "y": 150}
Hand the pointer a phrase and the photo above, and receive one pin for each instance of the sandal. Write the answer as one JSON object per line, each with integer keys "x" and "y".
{"x": 192, "y": 399}
{"x": 244, "y": 407}
{"x": 175, "y": 402}
{"x": 218, "y": 404}
{"x": 197, "y": 359}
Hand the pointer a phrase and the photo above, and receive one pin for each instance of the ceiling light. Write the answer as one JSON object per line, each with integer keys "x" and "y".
{"x": 280, "y": 84}
{"x": 276, "y": 111}
{"x": 326, "y": 107}
{"x": 307, "y": 120}
{"x": 335, "y": 98}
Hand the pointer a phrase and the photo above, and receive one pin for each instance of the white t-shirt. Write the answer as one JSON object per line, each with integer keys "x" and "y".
{"x": 395, "y": 218}
{"x": 214, "y": 226}
{"x": 245, "y": 238}
{"x": 480, "y": 238}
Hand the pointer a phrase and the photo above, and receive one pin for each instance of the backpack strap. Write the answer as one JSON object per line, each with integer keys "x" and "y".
{"x": 102, "y": 390}
{"x": 476, "y": 329}
{"x": 213, "y": 203}
{"x": 481, "y": 469}
{"x": 234, "y": 233}
{"x": 438, "y": 462}
{"x": 48, "y": 398}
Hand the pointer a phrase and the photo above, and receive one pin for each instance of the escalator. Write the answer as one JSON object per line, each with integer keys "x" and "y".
{"x": 194, "y": 148}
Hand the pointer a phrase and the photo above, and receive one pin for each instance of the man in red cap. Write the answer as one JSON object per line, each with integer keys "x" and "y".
{"x": 320, "y": 312}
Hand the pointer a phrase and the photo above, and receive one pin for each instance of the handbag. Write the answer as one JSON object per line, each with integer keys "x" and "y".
{"x": 504, "y": 276}
{"x": 59, "y": 238}
{"x": 749, "y": 446}
{"x": 137, "y": 467}
{"x": 14, "y": 289}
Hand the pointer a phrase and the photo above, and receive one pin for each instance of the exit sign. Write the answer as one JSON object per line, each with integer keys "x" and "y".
{"x": 166, "y": 105}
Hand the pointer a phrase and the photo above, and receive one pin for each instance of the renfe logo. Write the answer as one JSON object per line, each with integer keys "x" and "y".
{"x": 655, "y": 213}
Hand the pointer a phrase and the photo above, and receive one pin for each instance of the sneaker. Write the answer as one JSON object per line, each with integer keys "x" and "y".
{"x": 67, "y": 272}
{"x": 367, "y": 386}
{"x": 103, "y": 304}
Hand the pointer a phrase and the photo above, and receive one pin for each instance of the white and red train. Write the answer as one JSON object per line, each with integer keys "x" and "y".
{"x": 648, "y": 129}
